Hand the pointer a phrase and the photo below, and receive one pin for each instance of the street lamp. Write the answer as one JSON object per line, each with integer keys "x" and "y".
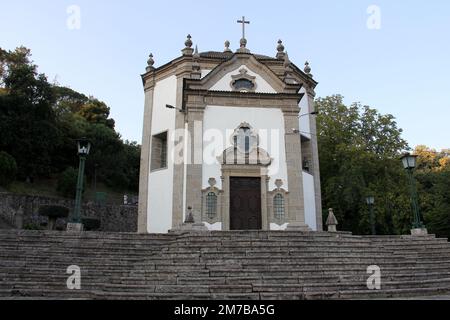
{"x": 314, "y": 113}
{"x": 168, "y": 106}
{"x": 370, "y": 202}
{"x": 409, "y": 162}
{"x": 84, "y": 147}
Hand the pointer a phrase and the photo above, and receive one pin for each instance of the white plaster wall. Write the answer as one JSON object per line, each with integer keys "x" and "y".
{"x": 205, "y": 72}
{"x": 218, "y": 126}
{"x": 223, "y": 84}
{"x": 310, "y": 201}
{"x": 160, "y": 189}
{"x": 305, "y": 109}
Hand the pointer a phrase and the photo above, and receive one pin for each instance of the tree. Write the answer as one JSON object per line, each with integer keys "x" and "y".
{"x": 433, "y": 176}
{"x": 40, "y": 122}
{"x": 8, "y": 169}
{"x": 96, "y": 112}
{"x": 26, "y": 113}
{"x": 67, "y": 183}
{"x": 359, "y": 151}
{"x": 68, "y": 101}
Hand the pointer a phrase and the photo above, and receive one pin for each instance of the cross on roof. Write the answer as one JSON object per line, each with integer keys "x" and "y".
{"x": 243, "y": 26}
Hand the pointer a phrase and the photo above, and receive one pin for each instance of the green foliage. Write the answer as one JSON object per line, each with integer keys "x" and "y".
{"x": 97, "y": 112}
{"x": 26, "y": 113}
{"x": 40, "y": 122}
{"x": 434, "y": 192}
{"x": 68, "y": 101}
{"x": 91, "y": 224}
{"x": 358, "y": 157}
{"x": 54, "y": 212}
{"x": 67, "y": 183}
{"x": 8, "y": 169}
{"x": 33, "y": 226}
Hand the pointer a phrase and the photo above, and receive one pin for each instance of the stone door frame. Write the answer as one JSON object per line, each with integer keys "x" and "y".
{"x": 244, "y": 171}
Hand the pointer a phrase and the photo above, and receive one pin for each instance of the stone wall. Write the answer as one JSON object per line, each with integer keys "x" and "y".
{"x": 21, "y": 211}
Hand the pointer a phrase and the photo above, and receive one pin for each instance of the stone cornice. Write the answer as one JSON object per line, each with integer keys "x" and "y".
{"x": 183, "y": 64}
{"x": 272, "y": 98}
{"x": 196, "y": 101}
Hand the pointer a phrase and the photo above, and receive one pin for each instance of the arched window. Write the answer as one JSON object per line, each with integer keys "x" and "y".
{"x": 211, "y": 205}
{"x": 278, "y": 206}
{"x": 242, "y": 139}
{"x": 245, "y": 139}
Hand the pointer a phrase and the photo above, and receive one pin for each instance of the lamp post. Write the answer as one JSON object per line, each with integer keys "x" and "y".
{"x": 84, "y": 147}
{"x": 409, "y": 162}
{"x": 370, "y": 202}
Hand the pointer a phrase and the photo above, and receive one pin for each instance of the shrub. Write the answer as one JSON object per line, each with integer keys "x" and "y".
{"x": 8, "y": 169}
{"x": 33, "y": 226}
{"x": 91, "y": 224}
{"x": 67, "y": 182}
{"x": 54, "y": 212}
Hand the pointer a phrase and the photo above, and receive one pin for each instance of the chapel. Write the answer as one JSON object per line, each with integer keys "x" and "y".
{"x": 229, "y": 142}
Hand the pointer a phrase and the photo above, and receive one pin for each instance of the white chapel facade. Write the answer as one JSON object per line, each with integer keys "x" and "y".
{"x": 230, "y": 139}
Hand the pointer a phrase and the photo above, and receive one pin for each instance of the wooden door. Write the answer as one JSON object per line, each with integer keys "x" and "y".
{"x": 245, "y": 204}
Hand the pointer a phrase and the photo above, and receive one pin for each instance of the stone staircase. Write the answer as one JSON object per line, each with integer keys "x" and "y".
{"x": 247, "y": 265}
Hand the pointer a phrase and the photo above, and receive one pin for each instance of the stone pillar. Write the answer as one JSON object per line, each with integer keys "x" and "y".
{"x": 145, "y": 157}
{"x": 294, "y": 170}
{"x": 178, "y": 167}
{"x": 226, "y": 201}
{"x": 194, "y": 176}
{"x": 264, "y": 199}
{"x": 315, "y": 161}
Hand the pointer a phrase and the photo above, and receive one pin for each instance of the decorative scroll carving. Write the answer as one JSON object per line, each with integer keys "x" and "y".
{"x": 243, "y": 82}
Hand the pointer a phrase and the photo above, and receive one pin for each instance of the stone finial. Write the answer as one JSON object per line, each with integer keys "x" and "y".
{"x": 227, "y": 46}
{"x": 150, "y": 63}
{"x": 308, "y": 69}
{"x": 196, "y": 68}
{"x": 287, "y": 62}
{"x": 187, "y": 51}
{"x": 288, "y": 72}
{"x": 196, "y": 54}
{"x": 188, "y": 42}
{"x": 243, "y": 44}
{"x": 332, "y": 221}
{"x": 190, "y": 216}
{"x": 280, "y": 49}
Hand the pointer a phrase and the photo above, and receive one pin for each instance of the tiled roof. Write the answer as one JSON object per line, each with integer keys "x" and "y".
{"x": 227, "y": 55}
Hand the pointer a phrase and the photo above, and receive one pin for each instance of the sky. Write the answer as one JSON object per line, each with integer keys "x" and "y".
{"x": 391, "y": 55}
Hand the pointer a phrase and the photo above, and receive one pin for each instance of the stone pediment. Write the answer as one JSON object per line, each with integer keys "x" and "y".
{"x": 243, "y": 73}
{"x": 234, "y": 156}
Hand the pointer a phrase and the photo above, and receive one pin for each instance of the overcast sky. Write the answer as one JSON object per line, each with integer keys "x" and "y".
{"x": 391, "y": 55}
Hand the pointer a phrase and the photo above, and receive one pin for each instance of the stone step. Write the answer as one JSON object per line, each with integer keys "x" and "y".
{"x": 244, "y": 265}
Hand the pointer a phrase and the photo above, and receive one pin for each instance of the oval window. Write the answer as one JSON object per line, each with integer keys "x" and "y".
{"x": 243, "y": 85}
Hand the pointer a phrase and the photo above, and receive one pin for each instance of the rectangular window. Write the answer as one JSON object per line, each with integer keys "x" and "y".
{"x": 159, "y": 151}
